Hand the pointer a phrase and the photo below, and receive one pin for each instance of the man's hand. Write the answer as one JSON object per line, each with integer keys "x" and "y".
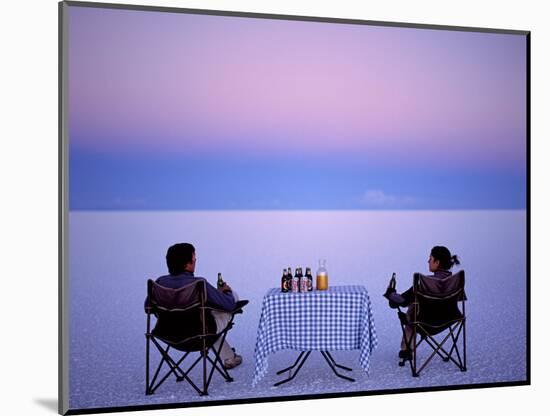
{"x": 225, "y": 288}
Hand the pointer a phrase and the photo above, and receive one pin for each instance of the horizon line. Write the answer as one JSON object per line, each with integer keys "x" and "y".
{"x": 293, "y": 210}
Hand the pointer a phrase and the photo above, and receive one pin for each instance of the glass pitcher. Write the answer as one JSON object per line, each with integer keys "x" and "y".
{"x": 322, "y": 275}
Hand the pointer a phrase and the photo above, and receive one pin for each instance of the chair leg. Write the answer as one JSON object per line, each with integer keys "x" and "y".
{"x": 181, "y": 377}
{"x": 455, "y": 346}
{"x": 435, "y": 352}
{"x": 151, "y": 386}
{"x": 411, "y": 349}
{"x": 218, "y": 360}
{"x": 223, "y": 372}
{"x": 464, "y": 344}
{"x": 415, "y": 373}
{"x": 207, "y": 376}
{"x": 438, "y": 346}
{"x": 147, "y": 356}
{"x": 153, "y": 381}
{"x": 190, "y": 367}
{"x": 461, "y": 331}
{"x": 174, "y": 367}
{"x": 217, "y": 353}
{"x": 204, "y": 379}
{"x": 407, "y": 344}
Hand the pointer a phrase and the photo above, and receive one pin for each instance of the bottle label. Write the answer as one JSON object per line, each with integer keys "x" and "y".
{"x": 295, "y": 284}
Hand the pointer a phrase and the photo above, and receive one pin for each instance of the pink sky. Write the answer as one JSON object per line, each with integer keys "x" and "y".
{"x": 173, "y": 82}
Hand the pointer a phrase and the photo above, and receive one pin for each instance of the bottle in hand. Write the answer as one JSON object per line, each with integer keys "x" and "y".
{"x": 221, "y": 283}
{"x": 392, "y": 281}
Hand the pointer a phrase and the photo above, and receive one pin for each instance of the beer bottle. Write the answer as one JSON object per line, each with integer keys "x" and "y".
{"x": 392, "y": 281}
{"x": 309, "y": 278}
{"x": 284, "y": 282}
{"x": 289, "y": 280}
{"x": 220, "y": 281}
{"x": 303, "y": 282}
{"x": 296, "y": 282}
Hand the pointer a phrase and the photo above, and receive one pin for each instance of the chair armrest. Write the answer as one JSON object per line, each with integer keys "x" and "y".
{"x": 239, "y": 306}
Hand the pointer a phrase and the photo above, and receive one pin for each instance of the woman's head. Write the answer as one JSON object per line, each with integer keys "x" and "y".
{"x": 441, "y": 259}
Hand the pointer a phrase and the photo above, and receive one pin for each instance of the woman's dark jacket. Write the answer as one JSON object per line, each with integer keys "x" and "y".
{"x": 434, "y": 313}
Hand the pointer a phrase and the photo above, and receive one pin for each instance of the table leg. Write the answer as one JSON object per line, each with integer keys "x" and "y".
{"x": 302, "y": 359}
{"x": 336, "y": 364}
{"x": 292, "y": 366}
{"x": 333, "y": 365}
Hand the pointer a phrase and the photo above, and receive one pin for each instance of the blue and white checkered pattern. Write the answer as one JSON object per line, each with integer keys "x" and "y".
{"x": 339, "y": 318}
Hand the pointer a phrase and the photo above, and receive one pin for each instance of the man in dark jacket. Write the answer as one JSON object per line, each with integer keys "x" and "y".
{"x": 181, "y": 261}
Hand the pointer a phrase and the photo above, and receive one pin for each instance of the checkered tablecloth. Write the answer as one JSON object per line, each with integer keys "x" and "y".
{"x": 339, "y": 318}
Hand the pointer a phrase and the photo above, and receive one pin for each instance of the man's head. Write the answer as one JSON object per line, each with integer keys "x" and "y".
{"x": 181, "y": 258}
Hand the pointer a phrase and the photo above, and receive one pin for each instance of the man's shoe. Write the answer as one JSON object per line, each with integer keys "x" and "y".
{"x": 233, "y": 362}
{"x": 405, "y": 354}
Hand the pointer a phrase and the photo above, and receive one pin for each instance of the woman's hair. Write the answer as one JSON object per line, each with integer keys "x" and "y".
{"x": 446, "y": 261}
{"x": 178, "y": 256}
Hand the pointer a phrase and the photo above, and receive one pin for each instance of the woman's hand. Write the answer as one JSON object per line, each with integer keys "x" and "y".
{"x": 389, "y": 291}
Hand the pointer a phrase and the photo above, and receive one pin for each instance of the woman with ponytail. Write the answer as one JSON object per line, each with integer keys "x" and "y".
{"x": 439, "y": 263}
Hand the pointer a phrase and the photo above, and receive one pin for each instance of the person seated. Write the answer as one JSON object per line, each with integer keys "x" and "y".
{"x": 439, "y": 263}
{"x": 181, "y": 261}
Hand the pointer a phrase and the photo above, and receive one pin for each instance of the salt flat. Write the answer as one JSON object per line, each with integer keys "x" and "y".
{"x": 113, "y": 253}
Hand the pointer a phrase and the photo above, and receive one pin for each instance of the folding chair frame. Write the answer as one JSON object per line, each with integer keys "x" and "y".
{"x": 174, "y": 367}
{"x": 456, "y": 328}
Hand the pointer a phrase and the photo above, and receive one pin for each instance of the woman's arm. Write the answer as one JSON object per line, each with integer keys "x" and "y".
{"x": 397, "y": 299}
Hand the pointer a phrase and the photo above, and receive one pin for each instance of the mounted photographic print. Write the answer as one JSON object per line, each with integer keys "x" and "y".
{"x": 264, "y": 207}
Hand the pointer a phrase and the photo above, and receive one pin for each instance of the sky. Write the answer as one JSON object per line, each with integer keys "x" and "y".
{"x": 170, "y": 111}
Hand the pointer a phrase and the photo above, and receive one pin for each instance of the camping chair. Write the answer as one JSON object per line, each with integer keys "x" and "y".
{"x": 184, "y": 323}
{"x": 435, "y": 310}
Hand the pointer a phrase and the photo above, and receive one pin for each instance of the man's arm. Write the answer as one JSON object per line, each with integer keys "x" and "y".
{"x": 219, "y": 299}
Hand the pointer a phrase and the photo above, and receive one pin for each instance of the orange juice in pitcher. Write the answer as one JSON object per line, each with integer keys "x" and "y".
{"x": 322, "y": 276}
